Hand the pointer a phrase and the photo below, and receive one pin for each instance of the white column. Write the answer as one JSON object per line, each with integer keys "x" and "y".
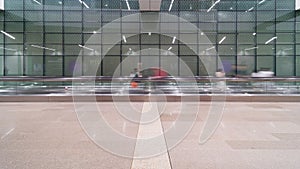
{"x": 297, "y": 4}
{"x": 1, "y": 4}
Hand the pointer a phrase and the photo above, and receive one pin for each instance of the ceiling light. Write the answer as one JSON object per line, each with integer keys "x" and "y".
{"x": 254, "y": 33}
{"x": 261, "y": 2}
{"x": 8, "y": 35}
{"x": 37, "y": 2}
{"x": 174, "y": 38}
{"x": 171, "y": 5}
{"x": 170, "y": 48}
{"x": 270, "y": 40}
{"x": 221, "y": 41}
{"x": 251, "y": 48}
{"x": 210, "y": 48}
{"x": 213, "y": 5}
{"x": 10, "y": 49}
{"x": 249, "y": 10}
{"x": 82, "y": 2}
{"x": 42, "y": 47}
{"x": 127, "y": 3}
{"x": 124, "y": 38}
{"x": 85, "y": 47}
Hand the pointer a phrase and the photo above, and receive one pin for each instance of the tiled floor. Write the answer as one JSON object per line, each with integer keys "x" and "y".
{"x": 250, "y": 136}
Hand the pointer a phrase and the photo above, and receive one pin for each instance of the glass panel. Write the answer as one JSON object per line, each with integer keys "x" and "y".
{"x": 265, "y": 50}
{"x": 16, "y": 16}
{"x": 1, "y": 66}
{"x": 53, "y": 66}
{"x": 73, "y": 39}
{"x": 246, "y": 38}
{"x": 298, "y": 66}
{"x": 226, "y": 50}
{"x": 188, "y": 65}
{"x": 33, "y": 65}
{"x": 53, "y": 27}
{"x": 110, "y": 64}
{"x": 265, "y": 62}
{"x": 246, "y": 27}
{"x": 169, "y": 63}
{"x": 14, "y": 26}
{"x": 227, "y": 27}
{"x": 14, "y": 61}
{"x": 73, "y": 27}
{"x": 70, "y": 16}
{"x": 265, "y": 15}
{"x": 285, "y": 27}
{"x": 284, "y": 65}
{"x": 285, "y": 38}
{"x": 53, "y": 16}
{"x": 33, "y": 26}
{"x": 33, "y": 15}
{"x": 69, "y": 66}
{"x": 53, "y": 38}
{"x": 13, "y": 4}
{"x": 265, "y": 27}
{"x": 225, "y": 16}
{"x": 284, "y": 50}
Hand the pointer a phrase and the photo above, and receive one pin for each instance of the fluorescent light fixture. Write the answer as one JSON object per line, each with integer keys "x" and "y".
{"x": 82, "y": 2}
{"x": 261, "y": 2}
{"x": 8, "y": 35}
{"x": 254, "y": 33}
{"x": 42, "y": 47}
{"x": 37, "y": 2}
{"x": 171, "y": 5}
{"x": 221, "y": 41}
{"x": 251, "y": 48}
{"x": 288, "y": 49}
{"x": 209, "y": 9}
{"x": 85, "y": 47}
{"x": 94, "y": 32}
{"x": 270, "y": 40}
{"x": 127, "y": 3}
{"x": 170, "y": 48}
{"x": 174, "y": 38}
{"x": 210, "y": 48}
{"x": 10, "y": 49}
{"x": 124, "y": 38}
{"x": 250, "y": 9}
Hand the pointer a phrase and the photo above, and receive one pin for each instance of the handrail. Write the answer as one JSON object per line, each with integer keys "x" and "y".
{"x": 151, "y": 79}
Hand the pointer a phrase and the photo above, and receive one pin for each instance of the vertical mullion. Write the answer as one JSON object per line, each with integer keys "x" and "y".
{"x": 44, "y": 40}
{"x": 255, "y": 41}
{"x": 295, "y": 46}
{"x": 275, "y": 42}
{"x": 24, "y": 41}
{"x": 63, "y": 37}
{"x": 4, "y": 45}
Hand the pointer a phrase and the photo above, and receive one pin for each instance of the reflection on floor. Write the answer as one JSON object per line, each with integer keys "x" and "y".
{"x": 250, "y": 135}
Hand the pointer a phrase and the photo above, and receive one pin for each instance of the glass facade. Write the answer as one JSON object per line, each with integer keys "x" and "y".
{"x": 45, "y": 37}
